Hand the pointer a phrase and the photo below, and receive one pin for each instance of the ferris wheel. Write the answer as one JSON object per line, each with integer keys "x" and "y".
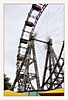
{"x": 40, "y": 58}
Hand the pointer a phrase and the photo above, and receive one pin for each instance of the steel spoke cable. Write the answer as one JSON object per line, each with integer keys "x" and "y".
{"x": 40, "y": 51}
{"x": 40, "y": 31}
{"x": 55, "y": 19}
{"x": 60, "y": 30}
{"x": 46, "y": 15}
{"x": 50, "y": 25}
{"x": 58, "y": 33}
{"x": 58, "y": 42}
{"x": 45, "y": 29}
{"x": 41, "y": 34}
{"x": 52, "y": 15}
{"x": 57, "y": 28}
{"x": 40, "y": 37}
{"x": 40, "y": 54}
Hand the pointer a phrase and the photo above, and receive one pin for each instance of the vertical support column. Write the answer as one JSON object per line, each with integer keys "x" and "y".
{"x": 50, "y": 68}
{"x": 45, "y": 69}
{"x": 52, "y": 56}
{"x": 26, "y": 73}
{"x": 35, "y": 66}
{"x": 48, "y": 56}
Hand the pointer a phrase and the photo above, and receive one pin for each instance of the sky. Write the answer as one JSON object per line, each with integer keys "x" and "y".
{"x": 14, "y": 19}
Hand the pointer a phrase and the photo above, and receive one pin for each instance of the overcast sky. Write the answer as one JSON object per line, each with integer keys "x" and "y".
{"x": 14, "y": 19}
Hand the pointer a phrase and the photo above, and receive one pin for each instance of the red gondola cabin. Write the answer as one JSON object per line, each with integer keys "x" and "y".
{"x": 27, "y": 23}
{"x": 36, "y": 7}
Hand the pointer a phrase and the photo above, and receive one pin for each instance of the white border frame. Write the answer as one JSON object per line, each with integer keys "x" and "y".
{"x": 1, "y": 48}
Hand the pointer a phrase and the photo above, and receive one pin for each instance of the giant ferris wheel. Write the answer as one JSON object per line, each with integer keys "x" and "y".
{"x": 40, "y": 58}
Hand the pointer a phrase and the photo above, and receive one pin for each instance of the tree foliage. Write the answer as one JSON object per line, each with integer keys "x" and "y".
{"x": 7, "y": 84}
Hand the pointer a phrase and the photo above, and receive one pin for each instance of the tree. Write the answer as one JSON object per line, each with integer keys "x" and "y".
{"x": 7, "y": 84}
